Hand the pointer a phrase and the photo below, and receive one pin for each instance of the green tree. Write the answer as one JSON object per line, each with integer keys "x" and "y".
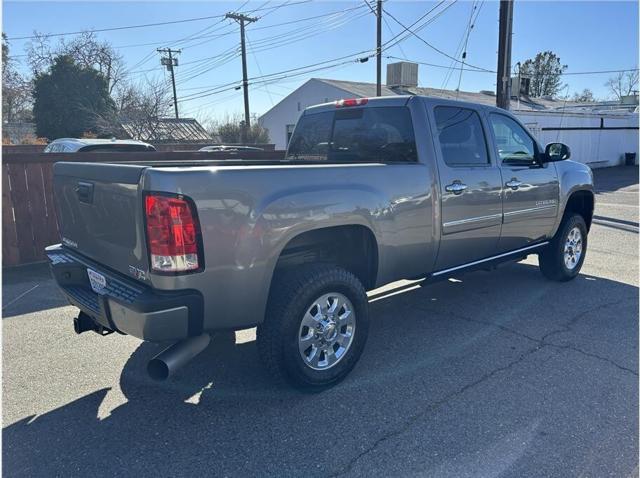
{"x": 68, "y": 99}
{"x": 545, "y": 71}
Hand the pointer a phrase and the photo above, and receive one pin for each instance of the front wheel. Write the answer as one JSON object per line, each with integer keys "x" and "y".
{"x": 316, "y": 326}
{"x": 562, "y": 259}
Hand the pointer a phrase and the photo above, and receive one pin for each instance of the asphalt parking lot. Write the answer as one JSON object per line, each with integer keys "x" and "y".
{"x": 488, "y": 374}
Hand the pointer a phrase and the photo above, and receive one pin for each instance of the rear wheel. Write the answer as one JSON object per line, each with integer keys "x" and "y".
{"x": 316, "y": 326}
{"x": 562, "y": 259}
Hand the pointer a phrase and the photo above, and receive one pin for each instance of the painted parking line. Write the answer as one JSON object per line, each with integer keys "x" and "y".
{"x": 20, "y": 296}
{"x": 617, "y": 225}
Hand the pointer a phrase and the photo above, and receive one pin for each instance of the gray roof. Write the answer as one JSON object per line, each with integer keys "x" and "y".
{"x": 167, "y": 130}
{"x": 362, "y": 89}
{"x": 95, "y": 141}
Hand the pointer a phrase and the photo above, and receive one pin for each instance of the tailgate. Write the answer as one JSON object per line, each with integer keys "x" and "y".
{"x": 100, "y": 213}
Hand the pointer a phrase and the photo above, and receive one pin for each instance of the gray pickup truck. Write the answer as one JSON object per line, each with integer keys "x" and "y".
{"x": 370, "y": 191}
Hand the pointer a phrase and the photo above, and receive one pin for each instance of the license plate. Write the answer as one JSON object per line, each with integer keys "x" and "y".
{"x": 98, "y": 281}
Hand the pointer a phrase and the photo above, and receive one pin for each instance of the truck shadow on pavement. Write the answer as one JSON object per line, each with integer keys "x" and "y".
{"x": 444, "y": 366}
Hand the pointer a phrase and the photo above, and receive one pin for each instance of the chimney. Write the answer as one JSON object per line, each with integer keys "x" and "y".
{"x": 402, "y": 75}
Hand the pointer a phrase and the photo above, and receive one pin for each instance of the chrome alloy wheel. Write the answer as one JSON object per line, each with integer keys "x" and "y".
{"x": 573, "y": 248}
{"x": 326, "y": 331}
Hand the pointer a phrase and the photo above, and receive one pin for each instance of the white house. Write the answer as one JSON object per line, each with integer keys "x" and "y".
{"x": 598, "y": 133}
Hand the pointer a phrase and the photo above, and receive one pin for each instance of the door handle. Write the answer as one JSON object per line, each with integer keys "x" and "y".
{"x": 513, "y": 184}
{"x": 84, "y": 191}
{"x": 456, "y": 187}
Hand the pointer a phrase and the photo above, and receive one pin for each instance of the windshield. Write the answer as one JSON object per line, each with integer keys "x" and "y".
{"x": 374, "y": 134}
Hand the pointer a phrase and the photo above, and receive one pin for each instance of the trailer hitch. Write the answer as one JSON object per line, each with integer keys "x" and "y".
{"x": 85, "y": 323}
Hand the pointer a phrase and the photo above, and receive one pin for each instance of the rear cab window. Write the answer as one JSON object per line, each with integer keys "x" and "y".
{"x": 373, "y": 134}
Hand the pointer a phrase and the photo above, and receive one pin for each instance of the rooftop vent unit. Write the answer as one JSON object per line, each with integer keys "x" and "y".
{"x": 520, "y": 86}
{"x": 402, "y": 75}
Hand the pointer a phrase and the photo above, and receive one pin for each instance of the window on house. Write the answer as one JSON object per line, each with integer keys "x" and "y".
{"x": 289, "y": 130}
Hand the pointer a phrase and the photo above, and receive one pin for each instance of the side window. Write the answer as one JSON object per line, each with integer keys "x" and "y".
{"x": 311, "y": 137}
{"x": 513, "y": 144}
{"x": 461, "y": 136}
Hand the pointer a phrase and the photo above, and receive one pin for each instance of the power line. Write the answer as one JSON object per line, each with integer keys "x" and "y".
{"x": 146, "y": 25}
{"x": 394, "y": 41}
{"x": 407, "y": 29}
{"x": 241, "y": 19}
{"x": 434, "y": 65}
{"x": 272, "y": 42}
{"x": 279, "y": 75}
{"x": 472, "y": 23}
{"x": 255, "y": 58}
{"x": 111, "y": 29}
{"x": 170, "y": 62}
{"x": 599, "y": 72}
{"x": 335, "y": 19}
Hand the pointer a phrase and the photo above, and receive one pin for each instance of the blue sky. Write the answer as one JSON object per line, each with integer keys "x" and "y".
{"x": 587, "y": 36}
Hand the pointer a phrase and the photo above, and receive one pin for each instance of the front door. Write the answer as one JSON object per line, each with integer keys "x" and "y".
{"x": 531, "y": 191}
{"x": 471, "y": 189}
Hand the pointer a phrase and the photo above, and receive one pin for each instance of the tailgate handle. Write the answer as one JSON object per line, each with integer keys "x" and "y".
{"x": 84, "y": 192}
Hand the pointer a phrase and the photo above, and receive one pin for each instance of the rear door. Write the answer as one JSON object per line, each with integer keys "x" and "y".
{"x": 100, "y": 213}
{"x": 531, "y": 190}
{"x": 471, "y": 187}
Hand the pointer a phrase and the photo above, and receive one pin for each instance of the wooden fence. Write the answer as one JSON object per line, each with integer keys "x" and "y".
{"x": 29, "y": 221}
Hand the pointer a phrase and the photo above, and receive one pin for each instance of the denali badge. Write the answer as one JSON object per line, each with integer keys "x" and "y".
{"x": 97, "y": 281}
{"x": 137, "y": 273}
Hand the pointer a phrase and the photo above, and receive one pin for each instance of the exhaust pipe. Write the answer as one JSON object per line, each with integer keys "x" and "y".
{"x": 175, "y": 356}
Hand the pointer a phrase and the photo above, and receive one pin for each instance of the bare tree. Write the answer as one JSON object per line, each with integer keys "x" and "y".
{"x": 141, "y": 112}
{"x": 229, "y": 130}
{"x": 623, "y": 83}
{"x": 17, "y": 90}
{"x": 85, "y": 49}
{"x": 585, "y": 97}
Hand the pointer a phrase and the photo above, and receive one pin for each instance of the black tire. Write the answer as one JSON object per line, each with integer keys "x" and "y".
{"x": 551, "y": 258}
{"x": 293, "y": 293}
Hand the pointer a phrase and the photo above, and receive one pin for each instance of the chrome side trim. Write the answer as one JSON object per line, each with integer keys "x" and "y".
{"x": 471, "y": 220}
{"x": 531, "y": 209}
{"x": 504, "y": 254}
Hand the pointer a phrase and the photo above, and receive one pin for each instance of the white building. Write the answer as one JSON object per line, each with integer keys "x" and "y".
{"x": 598, "y": 133}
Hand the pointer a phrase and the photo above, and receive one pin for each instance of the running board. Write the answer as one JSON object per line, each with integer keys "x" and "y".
{"x": 489, "y": 259}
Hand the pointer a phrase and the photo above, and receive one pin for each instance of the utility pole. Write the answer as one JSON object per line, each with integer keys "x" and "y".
{"x": 241, "y": 19}
{"x": 379, "y": 50}
{"x": 503, "y": 94}
{"x": 170, "y": 62}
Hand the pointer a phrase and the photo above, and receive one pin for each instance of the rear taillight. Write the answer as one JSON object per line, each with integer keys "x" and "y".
{"x": 172, "y": 233}
{"x": 351, "y": 102}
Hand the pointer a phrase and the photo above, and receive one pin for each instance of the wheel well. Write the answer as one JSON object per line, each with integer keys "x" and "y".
{"x": 352, "y": 247}
{"x": 581, "y": 202}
